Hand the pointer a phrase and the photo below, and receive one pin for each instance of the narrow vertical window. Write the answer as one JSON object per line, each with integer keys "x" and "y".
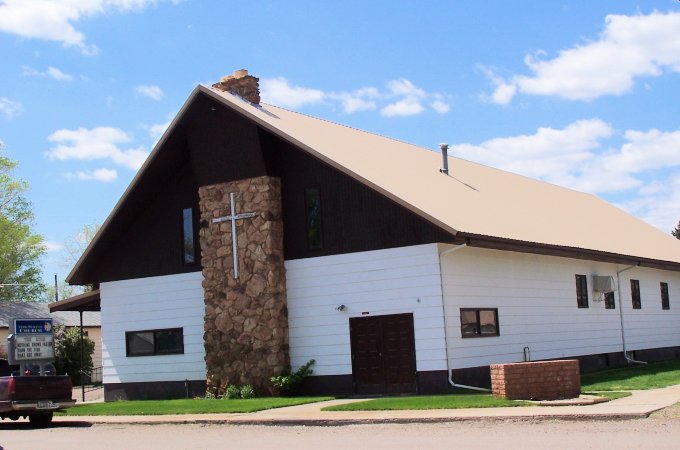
{"x": 313, "y": 209}
{"x": 609, "y": 302}
{"x": 581, "y": 291}
{"x": 188, "y": 245}
{"x": 665, "y": 301}
{"x": 635, "y": 294}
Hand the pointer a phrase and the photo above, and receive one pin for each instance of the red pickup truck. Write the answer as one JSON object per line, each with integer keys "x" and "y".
{"x": 35, "y": 397}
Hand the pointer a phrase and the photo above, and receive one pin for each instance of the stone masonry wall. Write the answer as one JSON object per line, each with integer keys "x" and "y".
{"x": 541, "y": 380}
{"x": 246, "y": 319}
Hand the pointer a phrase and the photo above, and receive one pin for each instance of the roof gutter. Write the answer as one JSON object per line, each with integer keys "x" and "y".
{"x": 537, "y": 248}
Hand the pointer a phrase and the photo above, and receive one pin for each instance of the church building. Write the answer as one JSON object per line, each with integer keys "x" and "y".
{"x": 255, "y": 239}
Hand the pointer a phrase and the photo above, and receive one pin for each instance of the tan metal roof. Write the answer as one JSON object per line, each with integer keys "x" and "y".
{"x": 473, "y": 198}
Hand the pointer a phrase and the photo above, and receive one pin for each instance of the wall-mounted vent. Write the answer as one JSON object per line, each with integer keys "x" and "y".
{"x": 603, "y": 284}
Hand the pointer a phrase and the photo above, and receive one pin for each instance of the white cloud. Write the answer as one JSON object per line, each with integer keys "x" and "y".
{"x": 9, "y": 108}
{"x": 363, "y": 99}
{"x": 657, "y": 203}
{"x": 51, "y": 72}
{"x": 156, "y": 131}
{"x": 645, "y": 167}
{"x": 503, "y": 93}
{"x": 51, "y": 246}
{"x": 279, "y": 91}
{"x": 96, "y": 143}
{"x": 404, "y": 88}
{"x": 54, "y": 20}
{"x": 103, "y": 175}
{"x": 630, "y": 47}
{"x": 400, "y": 98}
{"x": 545, "y": 154}
{"x": 406, "y": 107}
{"x": 440, "y": 106}
{"x": 150, "y": 91}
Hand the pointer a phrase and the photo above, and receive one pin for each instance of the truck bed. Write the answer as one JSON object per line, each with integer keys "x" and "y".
{"x": 35, "y": 397}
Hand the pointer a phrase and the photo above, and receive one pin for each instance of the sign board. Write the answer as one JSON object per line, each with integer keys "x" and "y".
{"x": 32, "y": 348}
{"x": 33, "y": 340}
{"x": 33, "y": 326}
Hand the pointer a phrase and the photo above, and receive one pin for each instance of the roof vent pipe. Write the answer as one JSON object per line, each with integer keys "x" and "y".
{"x": 445, "y": 158}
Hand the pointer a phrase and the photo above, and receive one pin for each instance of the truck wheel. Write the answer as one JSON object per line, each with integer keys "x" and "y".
{"x": 40, "y": 420}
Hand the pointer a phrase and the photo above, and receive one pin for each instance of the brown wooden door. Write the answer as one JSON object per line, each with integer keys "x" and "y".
{"x": 383, "y": 354}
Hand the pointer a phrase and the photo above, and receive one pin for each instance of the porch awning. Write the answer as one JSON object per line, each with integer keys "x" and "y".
{"x": 88, "y": 301}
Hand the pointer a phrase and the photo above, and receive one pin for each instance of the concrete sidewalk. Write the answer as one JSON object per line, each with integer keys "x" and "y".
{"x": 639, "y": 405}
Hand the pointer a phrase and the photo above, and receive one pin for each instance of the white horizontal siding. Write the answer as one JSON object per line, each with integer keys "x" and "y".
{"x": 171, "y": 301}
{"x": 393, "y": 281}
{"x": 536, "y": 300}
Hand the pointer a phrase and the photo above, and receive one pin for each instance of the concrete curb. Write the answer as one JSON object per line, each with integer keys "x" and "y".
{"x": 329, "y": 422}
{"x": 639, "y": 405}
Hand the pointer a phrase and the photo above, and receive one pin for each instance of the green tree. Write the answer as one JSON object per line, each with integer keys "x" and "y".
{"x": 20, "y": 247}
{"x": 67, "y": 352}
{"x": 676, "y": 232}
{"x": 74, "y": 247}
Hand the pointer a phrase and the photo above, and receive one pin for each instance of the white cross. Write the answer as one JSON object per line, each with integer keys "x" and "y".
{"x": 234, "y": 217}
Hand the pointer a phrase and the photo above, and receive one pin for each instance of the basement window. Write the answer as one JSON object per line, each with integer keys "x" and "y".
{"x": 665, "y": 301}
{"x": 582, "y": 291}
{"x": 609, "y": 301}
{"x": 313, "y": 210}
{"x": 635, "y": 294}
{"x": 476, "y": 322}
{"x": 168, "y": 341}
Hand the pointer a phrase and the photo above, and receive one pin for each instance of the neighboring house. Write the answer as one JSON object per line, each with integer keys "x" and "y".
{"x": 36, "y": 310}
{"x": 362, "y": 253}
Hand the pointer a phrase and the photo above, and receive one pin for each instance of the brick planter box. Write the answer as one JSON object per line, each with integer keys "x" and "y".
{"x": 541, "y": 380}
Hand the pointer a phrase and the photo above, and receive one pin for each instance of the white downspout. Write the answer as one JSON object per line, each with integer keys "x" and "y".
{"x": 446, "y": 343}
{"x": 623, "y": 332}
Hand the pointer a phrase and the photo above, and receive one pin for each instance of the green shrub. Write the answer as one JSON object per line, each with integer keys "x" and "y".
{"x": 247, "y": 391}
{"x": 67, "y": 352}
{"x": 232, "y": 392}
{"x": 287, "y": 383}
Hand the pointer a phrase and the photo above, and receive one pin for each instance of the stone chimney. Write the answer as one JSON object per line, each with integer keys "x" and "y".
{"x": 240, "y": 83}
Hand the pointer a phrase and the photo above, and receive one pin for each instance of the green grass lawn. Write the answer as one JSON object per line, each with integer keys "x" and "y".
{"x": 611, "y": 395}
{"x": 633, "y": 377}
{"x": 186, "y": 406}
{"x": 452, "y": 401}
{"x": 613, "y": 382}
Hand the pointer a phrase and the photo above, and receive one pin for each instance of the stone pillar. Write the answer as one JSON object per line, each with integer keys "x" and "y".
{"x": 246, "y": 319}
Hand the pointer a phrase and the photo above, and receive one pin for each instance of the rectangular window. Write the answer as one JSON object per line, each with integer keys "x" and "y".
{"x": 635, "y": 294}
{"x": 479, "y": 322}
{"x": 609, "y": 302}
{"x": 154, "y": 342}
{"x": 188, "y": 245}
{"x": 665, "y": 301}
{"x": 313, "y": 210}
{"x": 582, "y": 291}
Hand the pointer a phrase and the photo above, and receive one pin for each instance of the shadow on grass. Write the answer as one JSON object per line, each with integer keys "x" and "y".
{"x": 634, "y": 377}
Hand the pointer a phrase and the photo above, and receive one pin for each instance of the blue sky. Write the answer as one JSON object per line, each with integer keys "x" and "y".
{"x": 578, "y": 93}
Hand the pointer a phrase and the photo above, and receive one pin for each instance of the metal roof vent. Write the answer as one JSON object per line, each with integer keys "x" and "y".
{"x": 445, "y": 158}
